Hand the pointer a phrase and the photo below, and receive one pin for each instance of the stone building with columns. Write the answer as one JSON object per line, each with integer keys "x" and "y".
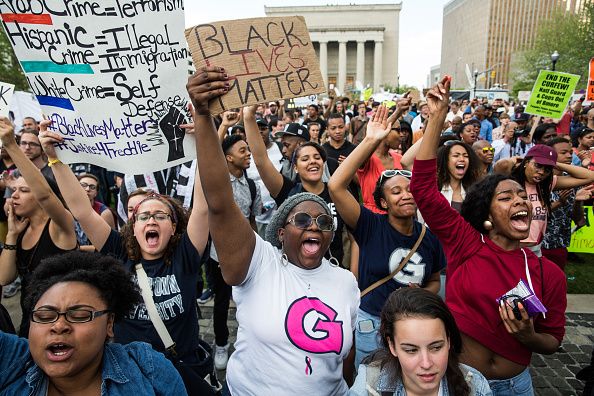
{"x": 353, "y": 42}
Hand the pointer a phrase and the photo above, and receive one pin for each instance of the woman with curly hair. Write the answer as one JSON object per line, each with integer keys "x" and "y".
{"x": 161, "y": 237}
{"x": 420, "y": 348}
{"x": 76, "y": 299}
{"x": 486, "y": 262}
{"x": 457, "y": 170}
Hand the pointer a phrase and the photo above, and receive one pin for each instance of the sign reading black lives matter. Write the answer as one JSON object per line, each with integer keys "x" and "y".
{"x": 266, "y": 59}
{"x": 110, "y": 75}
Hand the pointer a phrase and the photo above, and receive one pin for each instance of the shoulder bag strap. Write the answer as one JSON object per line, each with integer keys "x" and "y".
{"x": 399, "y": 268}
{"x": 147, "y": 296}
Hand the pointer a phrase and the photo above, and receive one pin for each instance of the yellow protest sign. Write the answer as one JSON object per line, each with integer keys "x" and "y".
{"x": 582, "y": 241}
{"x": 266, "y": 59}
{"x": 551, "y": 93}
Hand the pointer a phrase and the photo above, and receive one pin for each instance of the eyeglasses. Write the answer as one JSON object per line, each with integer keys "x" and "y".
{"x": 488, "y": 149}
{"x": 29, "y": 144}
{"x": 158, "y": 216}
{"x": 91, "y": 187}
{"x": 544, "y": 168}
{"x": 72, "y": 315}
{"x": 388, "y": 173}
{"x": 304, "y": 220}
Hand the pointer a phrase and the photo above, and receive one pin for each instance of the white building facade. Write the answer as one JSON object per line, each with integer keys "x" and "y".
{"x": 354, "y": 43}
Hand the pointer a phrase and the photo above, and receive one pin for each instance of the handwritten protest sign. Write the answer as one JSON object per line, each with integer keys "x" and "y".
{"x": 551, "y": 93}
{"x": 266, "y": 58}
{"x": 111, "y": 76}
{"x": 582, "y": 241}
{"x": 590, "y": 90}
{"x": 6, "y": 91}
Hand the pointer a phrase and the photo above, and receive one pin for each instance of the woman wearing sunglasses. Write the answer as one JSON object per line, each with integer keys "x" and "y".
{"x": 39, "y": 225}
{"x": 485, "y": 262}
{"x": 76, "y": 298}
{"x": 160, "y": 236}
{"x": 309, "y": 159}
{"x": 384, "y": 240}
{"x": 296, "y": 310}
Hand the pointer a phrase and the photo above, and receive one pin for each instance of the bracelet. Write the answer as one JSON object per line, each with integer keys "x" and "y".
{"x": 9, "y": 247}
{"x": 53, "y": 162}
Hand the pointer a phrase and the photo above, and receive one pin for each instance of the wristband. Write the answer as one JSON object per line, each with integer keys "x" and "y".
{"x": 9, "y": 247}
{"x": 53, "y": 162}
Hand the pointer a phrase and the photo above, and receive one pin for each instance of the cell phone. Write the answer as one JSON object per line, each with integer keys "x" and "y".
{"x": 366, "y": 326}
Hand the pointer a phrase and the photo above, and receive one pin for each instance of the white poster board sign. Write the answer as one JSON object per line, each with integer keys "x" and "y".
{"x": 6, "y": 92}
{"x": 111, "y": 76}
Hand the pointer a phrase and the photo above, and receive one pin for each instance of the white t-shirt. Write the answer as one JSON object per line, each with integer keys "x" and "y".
{"x": 295, "y": 327}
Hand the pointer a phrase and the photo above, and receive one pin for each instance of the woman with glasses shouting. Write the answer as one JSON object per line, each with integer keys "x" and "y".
{"x": 39, "y": 225}
{"x": 160, "y": 236}
{"x": 76, "y": 299}
{"x": 394, "y": 250}
{"x": 296, "y": 310}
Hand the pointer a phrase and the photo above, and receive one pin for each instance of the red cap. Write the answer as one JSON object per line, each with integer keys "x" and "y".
{"x": 543, "y": 155}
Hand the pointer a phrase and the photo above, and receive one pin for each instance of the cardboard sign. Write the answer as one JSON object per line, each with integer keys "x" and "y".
{"x": 551, "y": 93}
{"x": 111, "y": 76}
{"x": 266, "y": 59}
{"x": 582, "y": 240}
{"x": 415, "y": 96}
{"x": 6, "y": 91}
{"x": 590, "y": 88}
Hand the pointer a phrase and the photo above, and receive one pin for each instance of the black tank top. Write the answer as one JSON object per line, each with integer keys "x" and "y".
{"x": 27, "y": 260}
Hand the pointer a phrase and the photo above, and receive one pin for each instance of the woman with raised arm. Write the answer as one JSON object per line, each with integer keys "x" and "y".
{"x": 309, "y": 162}
{"x": 39, "y": 225}
{"x": 384, "y": 240}
{"x": 485, "y": 262}
{"x": 296, "y": 310}
{"x": 167, "y": 243}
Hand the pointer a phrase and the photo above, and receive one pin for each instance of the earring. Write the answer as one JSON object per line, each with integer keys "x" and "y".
{"x": 488, "y": 225}
{"x": 284, "y": 258}
{"x": 333, "y": 260}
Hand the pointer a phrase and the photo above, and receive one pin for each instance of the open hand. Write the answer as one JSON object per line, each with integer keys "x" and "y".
{"x": 584, "y": 194}
{"x": 378, "y": 127}
{"x": 15, "y": 225}
{"x": 205, "y": 85}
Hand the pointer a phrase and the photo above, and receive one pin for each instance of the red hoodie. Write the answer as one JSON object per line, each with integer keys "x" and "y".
{"x": 478, "y": 272}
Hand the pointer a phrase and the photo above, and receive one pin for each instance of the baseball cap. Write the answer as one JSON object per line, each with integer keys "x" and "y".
{"x": 294, "y": 129}
{"x": 261, "y": 122}
{"x": 543, "y": 155}
{"x": 521, "y": 117}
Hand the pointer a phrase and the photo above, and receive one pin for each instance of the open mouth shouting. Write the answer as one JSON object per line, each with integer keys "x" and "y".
{"x": 461, "y": 168}
{"x": 152, "y": 238}
{"x": 520, "y": 221}
{"x": 59, "y": 352}
{"x": 311, "y": 246}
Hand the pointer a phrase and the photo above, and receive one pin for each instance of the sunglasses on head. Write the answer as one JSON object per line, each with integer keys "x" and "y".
{"x": 452, "y": 142}
{"x": 488, "y": 149}
{"x": 388, "y": 173}
{"x": 303, "y": 221}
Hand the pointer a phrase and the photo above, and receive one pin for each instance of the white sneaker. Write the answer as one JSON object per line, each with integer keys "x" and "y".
{"x": 221, "y": 357}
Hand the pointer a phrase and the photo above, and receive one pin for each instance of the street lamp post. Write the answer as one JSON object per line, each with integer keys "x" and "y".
{"x": 554, "y": 58}
{"x": 476, "y": 73}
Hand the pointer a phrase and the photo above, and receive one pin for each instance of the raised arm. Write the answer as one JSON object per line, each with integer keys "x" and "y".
{"x": 228, "y": 119}
{"x": 75, "y": 196}
{"x": 408, "y": 158}
{"x": 437, "y": 100}
{"x": 347, "y": 206}
{"x": 231, "y": 232}
{"x": 272, "y": 178}
{"x": 577, "y": 176}
{"x": 62, "y": 227}
{"x": 198, "y": 221}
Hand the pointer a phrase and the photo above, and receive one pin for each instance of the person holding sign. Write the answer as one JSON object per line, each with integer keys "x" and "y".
{"x": 167, "y": 243}
{"x": 482, "y": 244}
{"x": 296, "y": 310}
{"x": 39, "y": 225}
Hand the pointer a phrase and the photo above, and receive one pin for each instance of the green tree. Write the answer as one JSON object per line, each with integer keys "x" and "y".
{"x": 10, "y": 68}
{"x": 571, "y": 34}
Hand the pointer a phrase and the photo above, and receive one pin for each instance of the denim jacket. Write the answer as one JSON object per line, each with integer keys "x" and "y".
{"x": 383, "y": 384}
{"x": 129, "y": 369}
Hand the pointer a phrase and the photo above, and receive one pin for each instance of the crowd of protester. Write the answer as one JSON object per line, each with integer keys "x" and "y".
{"x": 369, "y": 250}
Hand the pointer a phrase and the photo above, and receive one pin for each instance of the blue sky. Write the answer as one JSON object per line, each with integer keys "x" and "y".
{"x": 420, "y": 27}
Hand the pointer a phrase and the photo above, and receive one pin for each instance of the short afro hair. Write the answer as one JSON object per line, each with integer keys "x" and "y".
{"x": 229, "y": 142}
{"x": 477, "y": 204}
{"x": 105, "y": 273}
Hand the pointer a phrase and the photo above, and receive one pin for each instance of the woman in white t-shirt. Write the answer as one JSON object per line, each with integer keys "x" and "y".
{"x": 296, "y": 311}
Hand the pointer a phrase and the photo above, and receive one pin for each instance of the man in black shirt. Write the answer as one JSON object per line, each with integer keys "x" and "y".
{"x": 313, "y": 115}
{"x": 337, "y": 146}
